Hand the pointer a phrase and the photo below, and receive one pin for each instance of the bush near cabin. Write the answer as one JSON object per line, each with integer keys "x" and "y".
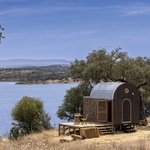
{"x": 29, "y": 116}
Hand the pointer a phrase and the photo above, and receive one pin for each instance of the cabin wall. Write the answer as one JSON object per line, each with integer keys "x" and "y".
{"x": 90, "y": 108}
{"x": 129, "y": 92}
{"x": 97, "y": 110}
{"x": 115, "y": 107}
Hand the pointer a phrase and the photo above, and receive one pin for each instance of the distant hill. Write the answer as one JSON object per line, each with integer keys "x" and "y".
{"x": 15, "y": 63}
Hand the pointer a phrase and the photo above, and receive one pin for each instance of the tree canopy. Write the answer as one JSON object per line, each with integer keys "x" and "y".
{"x": 100, "y": 66}
{"x": 114, "y": 66}
{"x": 72, "y": 102}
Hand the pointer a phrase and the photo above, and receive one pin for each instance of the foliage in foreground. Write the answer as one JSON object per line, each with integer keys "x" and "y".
{"x": 30, "y": 117}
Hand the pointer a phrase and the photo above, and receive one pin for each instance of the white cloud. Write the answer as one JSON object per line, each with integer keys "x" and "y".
{"x": 2, "y": 13}
{"x": 127, "y": 9}
{"x": 136, "y": 9}
{"x": 40, "y": 10}
{"x": 40, "y": 34}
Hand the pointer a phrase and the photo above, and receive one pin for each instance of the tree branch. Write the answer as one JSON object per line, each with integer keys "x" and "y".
{"x": 115, "y": 80}
{"x": 142, "y": 84}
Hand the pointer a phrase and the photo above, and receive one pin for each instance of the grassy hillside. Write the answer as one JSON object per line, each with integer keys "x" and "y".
{"x": 29, "y": 75}
{"x": 49, "y": 140}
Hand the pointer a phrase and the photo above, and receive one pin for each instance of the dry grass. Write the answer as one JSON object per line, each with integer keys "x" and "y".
{"x": 49, "y": 140}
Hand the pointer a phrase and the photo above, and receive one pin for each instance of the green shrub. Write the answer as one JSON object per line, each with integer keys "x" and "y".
{"x": 143, "y": 122}
{"x": 29, "y": 116}
{"x": 147, "y": 102}
{"x": 73, "y": 101}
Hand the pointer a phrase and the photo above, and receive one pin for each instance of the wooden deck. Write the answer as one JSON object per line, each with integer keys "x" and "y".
{"x": 72, "y": 128}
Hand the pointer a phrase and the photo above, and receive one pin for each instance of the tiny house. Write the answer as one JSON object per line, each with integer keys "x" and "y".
{"x": 113, "y": 102}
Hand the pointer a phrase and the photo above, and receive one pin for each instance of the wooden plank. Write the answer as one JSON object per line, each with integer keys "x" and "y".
{"x": 63, "y": 130}
{"x": 89, "y": 132}
{"x": 65, "y": 140}
{"x": 77, "y": 137}
{"x": 59, "y": 130}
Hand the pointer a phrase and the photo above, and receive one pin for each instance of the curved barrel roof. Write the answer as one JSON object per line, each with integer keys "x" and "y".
{"x": 105, "y": 90}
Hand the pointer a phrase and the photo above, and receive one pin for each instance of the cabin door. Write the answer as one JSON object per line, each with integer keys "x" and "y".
{"x": 102, "y": 114}
{"x": 126, "y": 111}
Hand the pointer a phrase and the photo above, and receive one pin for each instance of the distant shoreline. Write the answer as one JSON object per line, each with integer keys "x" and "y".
{"x": 49, "y": 82}
{"x": 43, "y": 82}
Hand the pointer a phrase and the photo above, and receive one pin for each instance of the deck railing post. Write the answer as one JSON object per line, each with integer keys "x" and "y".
{"x": 59, "y": 129}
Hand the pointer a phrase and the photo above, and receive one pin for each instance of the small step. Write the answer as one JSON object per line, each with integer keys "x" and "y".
{"x": 108, "y": 129}
{"x": 128, "y": 128}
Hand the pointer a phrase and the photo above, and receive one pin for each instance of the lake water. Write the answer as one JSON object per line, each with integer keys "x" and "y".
{"x": 52, "y": 96}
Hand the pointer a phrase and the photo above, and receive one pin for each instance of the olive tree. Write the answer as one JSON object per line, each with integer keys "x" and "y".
{"x": 114, "y": 66}
{"x": 29, "y": 116}
{"x": 101, "y": 65}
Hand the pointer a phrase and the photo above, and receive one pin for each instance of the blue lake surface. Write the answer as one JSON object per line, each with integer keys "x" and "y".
{"x": 52, "y": 96}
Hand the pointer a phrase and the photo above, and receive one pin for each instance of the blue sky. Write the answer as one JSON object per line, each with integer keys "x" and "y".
{"x": 70, "y": 29}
